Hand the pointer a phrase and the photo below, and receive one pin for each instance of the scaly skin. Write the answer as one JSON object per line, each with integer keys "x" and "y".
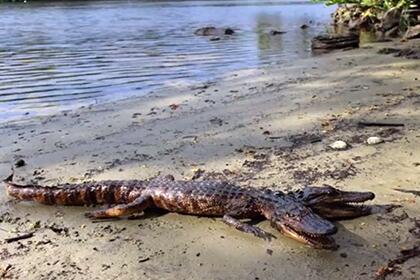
{"x": 290, "y": 213}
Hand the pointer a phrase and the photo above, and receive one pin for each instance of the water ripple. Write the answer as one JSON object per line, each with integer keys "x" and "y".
{"x": 65, "y": 54}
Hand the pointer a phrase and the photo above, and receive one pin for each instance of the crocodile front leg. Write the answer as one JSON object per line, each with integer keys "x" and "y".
{"x": 137, "y": 206}
{"x": 228, "y": 219}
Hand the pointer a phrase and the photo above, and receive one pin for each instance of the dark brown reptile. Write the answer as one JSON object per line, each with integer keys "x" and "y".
{"x": 292, "y": 213}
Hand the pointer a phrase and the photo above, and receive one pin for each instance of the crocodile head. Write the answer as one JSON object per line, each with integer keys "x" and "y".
{"x": 299, "y": 222}
{"x": 331, "y": 203}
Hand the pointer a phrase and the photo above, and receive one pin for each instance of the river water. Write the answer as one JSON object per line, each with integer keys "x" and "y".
{"x": 60, "y": 55}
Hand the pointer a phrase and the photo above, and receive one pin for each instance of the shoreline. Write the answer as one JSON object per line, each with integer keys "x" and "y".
{"x": 260, "y": 127}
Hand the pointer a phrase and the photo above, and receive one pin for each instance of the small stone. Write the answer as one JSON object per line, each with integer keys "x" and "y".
{"x": 343, "y": 255}
{"x": 197, "y": 173}
{"x": 20, "y": 163}
{"x": 339, "y": 145}
{"x": 304, "y": 26}
{"x": 37, "y": 224}
{"x": 229, "y": 31}
{"x": 374, "y": 140}
{"x": 173, "y": 106}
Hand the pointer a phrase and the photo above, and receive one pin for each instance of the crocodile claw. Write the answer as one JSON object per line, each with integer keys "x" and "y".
{"x": 96, "y": 215}
{"x": 260, "y": 233}
{"x": 90, "y": 215}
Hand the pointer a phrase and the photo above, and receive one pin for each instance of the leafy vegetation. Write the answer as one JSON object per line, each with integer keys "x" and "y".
{"x": 379, "y": 4}
{"x": 373, "y": 14}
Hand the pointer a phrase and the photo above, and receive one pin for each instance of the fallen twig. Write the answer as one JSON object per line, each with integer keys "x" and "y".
{"x": 144, "y": 259}
{"x": 368, "y": 123}
{"x": 19, "y": 237}
{"x": 416, "y": 193}
{"x": 391, "y": 266}
{"x": 105, "y": 220}
{"x": 275, "y": 137}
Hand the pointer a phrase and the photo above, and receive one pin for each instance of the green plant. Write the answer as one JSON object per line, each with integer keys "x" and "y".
{"x": 379, "y": 4}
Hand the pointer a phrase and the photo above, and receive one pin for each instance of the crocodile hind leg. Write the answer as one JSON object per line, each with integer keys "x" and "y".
{"x": 246, "y": 227}
{"x": 136, "y": 206}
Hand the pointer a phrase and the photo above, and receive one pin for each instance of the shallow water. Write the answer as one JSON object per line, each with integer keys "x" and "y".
{"x": 55, "y": 56}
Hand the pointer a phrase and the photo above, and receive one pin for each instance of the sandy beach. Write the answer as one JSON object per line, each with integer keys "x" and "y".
{"x": 257, "y": 127}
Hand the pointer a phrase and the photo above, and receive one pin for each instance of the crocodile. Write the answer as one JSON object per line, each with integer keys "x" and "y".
{"x": 302, "y": 215}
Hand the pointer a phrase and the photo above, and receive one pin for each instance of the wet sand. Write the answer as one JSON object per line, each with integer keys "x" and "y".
{"x": 261, "y": 127}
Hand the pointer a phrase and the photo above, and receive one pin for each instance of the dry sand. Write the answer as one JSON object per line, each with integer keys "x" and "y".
{"x": 261, "y": 127}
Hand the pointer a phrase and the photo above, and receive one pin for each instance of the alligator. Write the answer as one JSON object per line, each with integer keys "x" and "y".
{"x": 302, "y": 215}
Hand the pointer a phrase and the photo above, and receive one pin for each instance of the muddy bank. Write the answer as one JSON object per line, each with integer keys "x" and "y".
{"x": 260, "y": 127}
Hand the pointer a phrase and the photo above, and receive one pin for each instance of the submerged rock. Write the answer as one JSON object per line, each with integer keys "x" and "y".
{"x": 276, "y": 32}
{"x": 213, "y": 31}
{"x": 339, "y": 145}
{"x": 374, "y": 140}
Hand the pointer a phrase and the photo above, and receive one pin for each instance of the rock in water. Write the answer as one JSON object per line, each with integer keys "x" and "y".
{"x": 339, "y": 145}
{"x": 276, "y": 32}
{"x": 335, "y": 41}
{"x": 213, "y": 31}
{"x": 374, "y": 140}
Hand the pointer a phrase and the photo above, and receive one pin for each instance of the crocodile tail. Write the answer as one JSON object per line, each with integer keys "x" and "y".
{"x": 106, "y": 192}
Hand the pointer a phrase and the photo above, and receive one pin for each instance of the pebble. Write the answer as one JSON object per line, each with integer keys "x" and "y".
{"x": 343, "y": 255}
{"x": 374, "y": 140}
{"x": 20, "y": 163}
{"x": 339, "y": 145}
